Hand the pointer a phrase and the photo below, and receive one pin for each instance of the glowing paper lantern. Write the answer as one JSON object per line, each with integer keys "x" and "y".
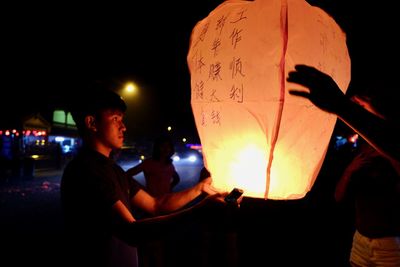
{"x": 255, "y": 135}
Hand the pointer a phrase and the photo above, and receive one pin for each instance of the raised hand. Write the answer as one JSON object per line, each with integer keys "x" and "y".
{"x": 322, "y": 91}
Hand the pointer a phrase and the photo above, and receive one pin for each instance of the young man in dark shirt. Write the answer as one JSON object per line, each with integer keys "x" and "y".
{"x": 99, "y": 199}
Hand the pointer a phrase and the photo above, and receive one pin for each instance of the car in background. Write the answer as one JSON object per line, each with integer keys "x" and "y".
{"x": 188, "y": 155}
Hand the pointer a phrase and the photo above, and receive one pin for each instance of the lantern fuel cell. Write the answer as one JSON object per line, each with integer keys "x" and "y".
{"x": 234, "y": 195}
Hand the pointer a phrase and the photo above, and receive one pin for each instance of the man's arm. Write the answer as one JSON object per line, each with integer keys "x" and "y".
{"x": 173, "y": 201}
{"x": 175, "y": 179}
{"x": 209, "y": 210}
{"x": 135, "y": 170}
{"x": 324, "y": 93}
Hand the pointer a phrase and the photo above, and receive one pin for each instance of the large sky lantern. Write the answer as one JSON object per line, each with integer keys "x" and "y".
{"x": 254, "y": 135}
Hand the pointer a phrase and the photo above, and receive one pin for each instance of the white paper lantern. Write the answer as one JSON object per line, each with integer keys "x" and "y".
{"x": 255, "y": 136}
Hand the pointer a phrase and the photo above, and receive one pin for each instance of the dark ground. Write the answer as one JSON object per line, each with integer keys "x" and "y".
{"x": 30, "y": 220}
{"x": 313, "y": 231}
{"x": 283, "y": 233}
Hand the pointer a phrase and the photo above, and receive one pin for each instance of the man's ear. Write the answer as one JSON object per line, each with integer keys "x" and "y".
{"x": 90, "y": 123}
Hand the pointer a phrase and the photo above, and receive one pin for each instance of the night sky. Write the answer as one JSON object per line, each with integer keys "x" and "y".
{"x": 49, "y": 52}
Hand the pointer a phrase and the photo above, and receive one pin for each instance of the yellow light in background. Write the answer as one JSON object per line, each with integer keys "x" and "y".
{"x": 130, "y": 88}
{"x": 169, "y": 128}
{"x": 184, "y": 140}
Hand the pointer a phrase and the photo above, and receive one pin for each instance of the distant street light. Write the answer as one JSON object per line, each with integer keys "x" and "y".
{"x": 130, "y": 88}
{"x": 131, "y": 93}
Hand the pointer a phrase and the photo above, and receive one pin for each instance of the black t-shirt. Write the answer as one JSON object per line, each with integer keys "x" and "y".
{"x": 90, "y": 185}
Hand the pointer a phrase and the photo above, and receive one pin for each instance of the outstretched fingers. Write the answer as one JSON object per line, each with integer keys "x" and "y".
{"x": 299, "y": 93}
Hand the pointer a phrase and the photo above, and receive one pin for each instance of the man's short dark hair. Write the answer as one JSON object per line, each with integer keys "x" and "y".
{"x": 93, "y": 100}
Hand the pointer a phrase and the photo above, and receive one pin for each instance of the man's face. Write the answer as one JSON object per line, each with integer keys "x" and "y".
{"x": 111, "y": 128}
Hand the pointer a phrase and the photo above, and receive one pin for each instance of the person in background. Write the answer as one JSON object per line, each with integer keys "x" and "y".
{"x": 159, "y": 171}
{"x": 160, "y": 177}
{"x": 99, "y": 200}
{"x": 372, "y": 179}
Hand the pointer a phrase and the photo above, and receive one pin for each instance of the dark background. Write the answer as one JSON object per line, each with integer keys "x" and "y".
{"x": 50, "y": 50}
